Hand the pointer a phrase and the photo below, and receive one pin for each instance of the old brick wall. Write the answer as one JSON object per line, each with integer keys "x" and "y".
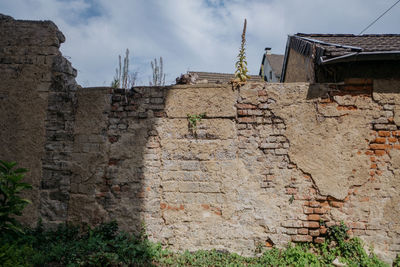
{"x": 36, "y": 108}
{"x": 268, "y": 164}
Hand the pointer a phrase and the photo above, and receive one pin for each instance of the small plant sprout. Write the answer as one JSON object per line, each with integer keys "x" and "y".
{"x": 193, "y": 120}
{"x": 291, "y": 199}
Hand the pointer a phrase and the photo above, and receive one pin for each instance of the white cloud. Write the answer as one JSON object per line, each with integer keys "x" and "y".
{"x": 199, "y": 35}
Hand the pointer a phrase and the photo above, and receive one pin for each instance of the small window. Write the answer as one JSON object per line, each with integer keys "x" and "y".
{"x": 270, "y": 75}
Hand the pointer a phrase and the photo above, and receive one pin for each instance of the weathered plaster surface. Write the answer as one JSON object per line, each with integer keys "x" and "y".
{"x": 268, "y": 164}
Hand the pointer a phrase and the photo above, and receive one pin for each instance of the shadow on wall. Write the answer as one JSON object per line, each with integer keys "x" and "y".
{"x": 116, "y": 156}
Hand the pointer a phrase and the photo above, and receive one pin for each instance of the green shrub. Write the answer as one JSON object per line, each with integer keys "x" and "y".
{"x": 11, "y": 204}
{"x": 105, "y": 245}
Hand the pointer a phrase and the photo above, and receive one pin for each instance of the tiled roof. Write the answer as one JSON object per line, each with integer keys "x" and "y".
{"x": 213, "y": 77}
{"x": 276, "y": 62}
{"x": 333, "y": 43}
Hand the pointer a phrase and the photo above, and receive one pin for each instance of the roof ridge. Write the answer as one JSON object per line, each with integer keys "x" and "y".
{"x": 346, "y": 35}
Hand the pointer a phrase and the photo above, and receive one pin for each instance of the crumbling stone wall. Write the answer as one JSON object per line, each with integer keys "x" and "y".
{"x": 36, "y": 110}
{"x": 268, "y": 164}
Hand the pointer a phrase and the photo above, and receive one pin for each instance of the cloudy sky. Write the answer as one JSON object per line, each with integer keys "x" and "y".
{"x": 195, "y": 35}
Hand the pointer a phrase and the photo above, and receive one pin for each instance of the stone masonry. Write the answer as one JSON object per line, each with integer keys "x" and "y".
{"x": 267, "y": 165}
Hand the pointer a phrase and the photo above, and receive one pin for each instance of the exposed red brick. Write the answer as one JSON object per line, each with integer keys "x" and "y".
{"x": 313, "y": 217}
{"x": 319, "y": 240}
{"x": 396, "y": 133}
{"x": 160, "y": 114}
{"x": 396, "y": 146}
{"x": 320, "y": 210}
{"x": 372, "y": 159}
{"x": 246, "y": 119}
{"x": 302, "y": 231}
{"x": 163, "y": 206}
{"x": 380, "y": 140}
{"x": 320, "y": 198}
{"x": 218, "y": 212}
{"x": 325, "y": 204}
{"x": 308, "y": 210}
{"x": 314, "y": 232}
{"x": 392, "y": 139}
{"x": 346, "y": 108}
{"x": 269, "y": 243}
{"x": 326, "y": 100}
{"x": 330, "y": 224}
{"x": 262, "y": 92}
{"x": 302, "y": 238}
{"x": 205, "y": 206}
{"x": 176, "y": 208}
{"x": 100, "y": 194}
{"x": 356, "y": 225}
{"x": 373, "y": 166}
{"x": 314, "y": 204}
{"x": 323, "y": 230}
{"x": 242, "y": 112}
{"x": 380, "y": 152}
{"x": 384, "y": 133}
{"x": 311, "y": 224}
{"x": 369, "y": 152}
{"x": 246, "y": 106}
{"x": 291, "y": 191}
{"x": 377, "y": 146}
{"x": 336, "y": 204}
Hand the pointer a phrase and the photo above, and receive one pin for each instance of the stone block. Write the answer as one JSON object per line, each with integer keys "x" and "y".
{"x": 215, "y": 102}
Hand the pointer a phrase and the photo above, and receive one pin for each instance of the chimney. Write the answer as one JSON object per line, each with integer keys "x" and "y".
{"x": 268, "y": 50}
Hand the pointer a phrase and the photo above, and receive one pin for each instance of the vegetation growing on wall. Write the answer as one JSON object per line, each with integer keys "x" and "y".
{"x": 11, "y": 204}
{"x": 105, "y": 245}
{"x": 123, "y": 78}
{"x": 241, "y": 73}
{"x": 158, "y": 73}
{"x": 193, "y": 120}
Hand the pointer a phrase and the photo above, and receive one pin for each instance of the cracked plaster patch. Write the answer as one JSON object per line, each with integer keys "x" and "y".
{"x": 331, "y": 150}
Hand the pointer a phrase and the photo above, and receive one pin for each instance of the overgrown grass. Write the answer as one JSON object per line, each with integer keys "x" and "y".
{"x": 105, "y": 245}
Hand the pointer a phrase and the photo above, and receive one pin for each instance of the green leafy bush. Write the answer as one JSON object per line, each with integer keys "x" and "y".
{"x": 11, "y": 203}
{"x": 105, "y": 245}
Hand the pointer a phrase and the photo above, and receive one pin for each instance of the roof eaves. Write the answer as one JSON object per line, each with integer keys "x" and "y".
{"x": 363, "y": 56}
